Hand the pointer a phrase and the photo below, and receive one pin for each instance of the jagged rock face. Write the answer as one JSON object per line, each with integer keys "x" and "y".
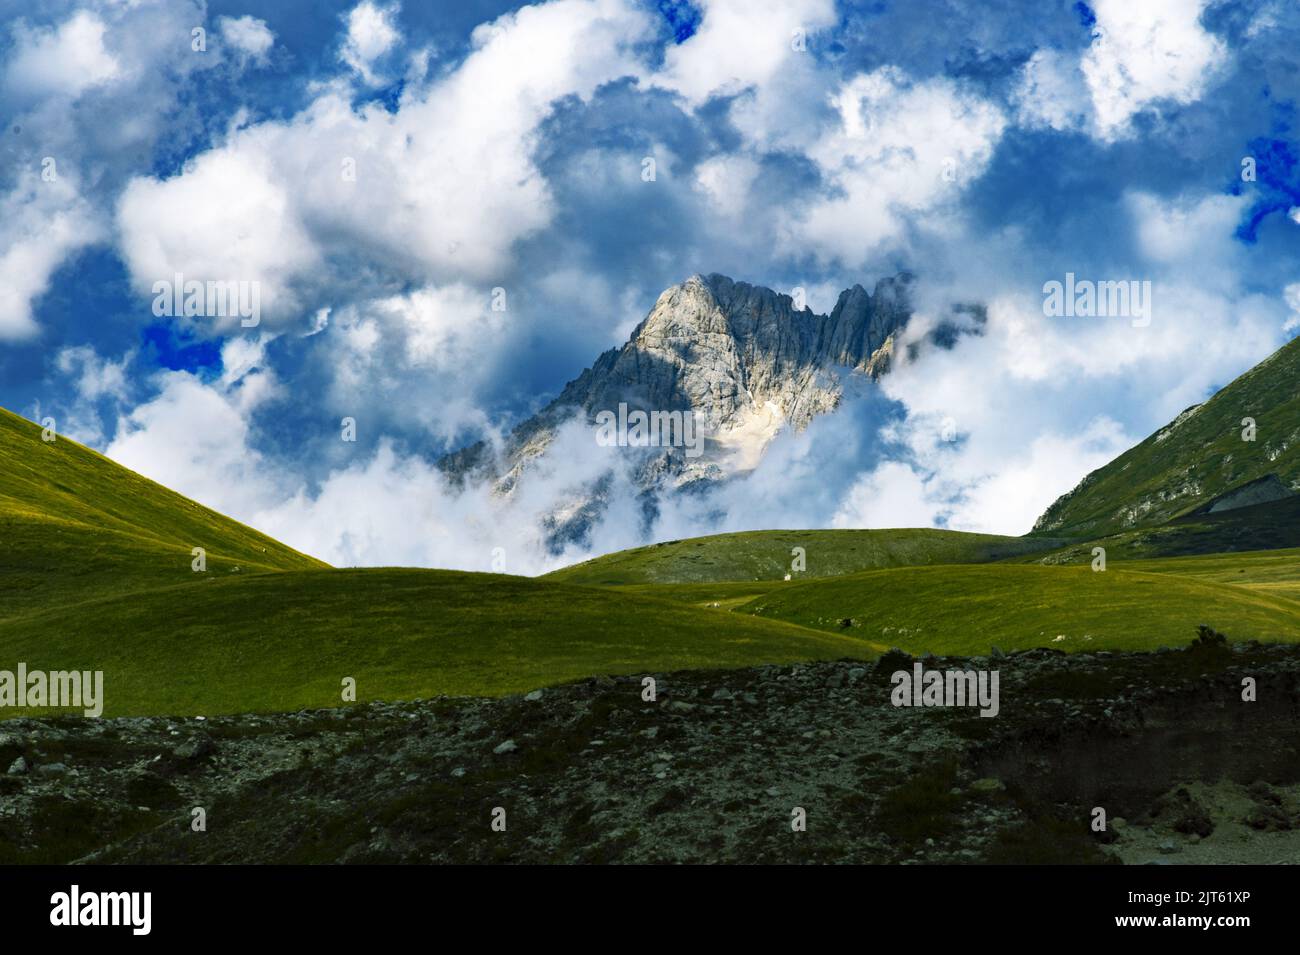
{"x": 740, "y": 357}
{"x": 727, "y": 349}
{"x": 1263, "y": 490}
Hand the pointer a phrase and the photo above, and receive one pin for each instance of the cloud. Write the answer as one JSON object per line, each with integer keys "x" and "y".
{"x": 378, "y": 224}
{"x": 41, "y": 222}
{"x": 373, "y": 509}
{"x": 892, "y": 495}
{"x": 1292, "y": 295}
{"x": 437, "y": 192}
{"x": 213, "y": 463}
{"x": 441, "y": 343}
{"x": 370, "y": 35}
{"x": 1147, "y": 52}
{"x": 95, "y": 382}
{"x": 251, "y": 37}
{"x": 391, "y": 508}
{"x": 1141, "y": 55}
{"x": 1052, "y": 92}
{"x": 95, "y": 377}
{"x": 85, "y": 98}
{"x": 228, "y": 218}
{"x": 726, "y": 181}
{"x": 1034, "y": 403}
{"x": 899, "y": 153}
{"x": 63, "y": 60}
{"x": 740, "y": 44}
{"x": 1193, "y": 233}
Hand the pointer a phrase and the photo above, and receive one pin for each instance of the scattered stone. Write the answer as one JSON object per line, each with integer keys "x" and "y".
{"x": 196, "y": 747}
{"x": 598, "y": 770}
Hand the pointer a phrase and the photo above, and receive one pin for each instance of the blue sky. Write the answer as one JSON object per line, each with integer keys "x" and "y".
{"x": 988, "y": 148}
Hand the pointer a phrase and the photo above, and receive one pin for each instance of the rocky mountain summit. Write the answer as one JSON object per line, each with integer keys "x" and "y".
{"x": 742, "y": 359}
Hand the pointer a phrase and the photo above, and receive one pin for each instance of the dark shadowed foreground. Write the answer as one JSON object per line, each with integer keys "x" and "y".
{"x": 712, "y": 771}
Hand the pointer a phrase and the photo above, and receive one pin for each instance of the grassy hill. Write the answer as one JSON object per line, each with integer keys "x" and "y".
{"x": 968, "y": 609}
{"x": 766, "y": 555}
{"x": 1195, "y": 458}
{"x": 1274, "y": 571}
{"x": 285, "y": 641}
{"x": 95, "y": 575}
{"x": 75, "y": 525}
{"x": 1260, "y": 527}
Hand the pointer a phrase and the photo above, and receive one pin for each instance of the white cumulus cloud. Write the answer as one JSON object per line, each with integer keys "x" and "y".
{"x": 898, "y": 152}
{"x": 251, "y": 37}
{"x": 65, "y": 59}
{"x": 370, "y": 34}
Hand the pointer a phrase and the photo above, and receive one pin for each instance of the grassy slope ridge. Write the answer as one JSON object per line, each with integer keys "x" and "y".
{"x": 74, "y": 525}
{"x": 968, "y": 609}
{"x": 1272, "y": 571}
{"x": 766, "y": 555}
{"x": 285, "y": 641}
{"x": 1275, "y": 525}
{"x": 1194, "y": 459}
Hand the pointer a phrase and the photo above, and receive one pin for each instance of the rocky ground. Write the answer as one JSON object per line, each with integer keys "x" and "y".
{"x": 712, "y": 771}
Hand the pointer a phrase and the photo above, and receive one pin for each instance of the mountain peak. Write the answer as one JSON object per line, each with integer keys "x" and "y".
{"x": 739, "y": 357}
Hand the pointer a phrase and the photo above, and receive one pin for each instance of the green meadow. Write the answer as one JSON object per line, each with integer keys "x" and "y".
{"x": 286, "y": 641}
{"x": 96, "y": 574}
{"x": 969, "y": 609}
{"x": 768, "y": 555}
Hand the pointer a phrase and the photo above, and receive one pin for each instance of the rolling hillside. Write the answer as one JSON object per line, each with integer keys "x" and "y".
{"x": 75, "y": 525}
{"x": 285, "y": 641}
{"x": 95, "y": 575}
{"x": 1271, "y": 571}
{"x": 969, "y": 609}
{"x": 766, "y": 555}
{"x": 1194, "y": 459}
{"x": 1273, "y": 525}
